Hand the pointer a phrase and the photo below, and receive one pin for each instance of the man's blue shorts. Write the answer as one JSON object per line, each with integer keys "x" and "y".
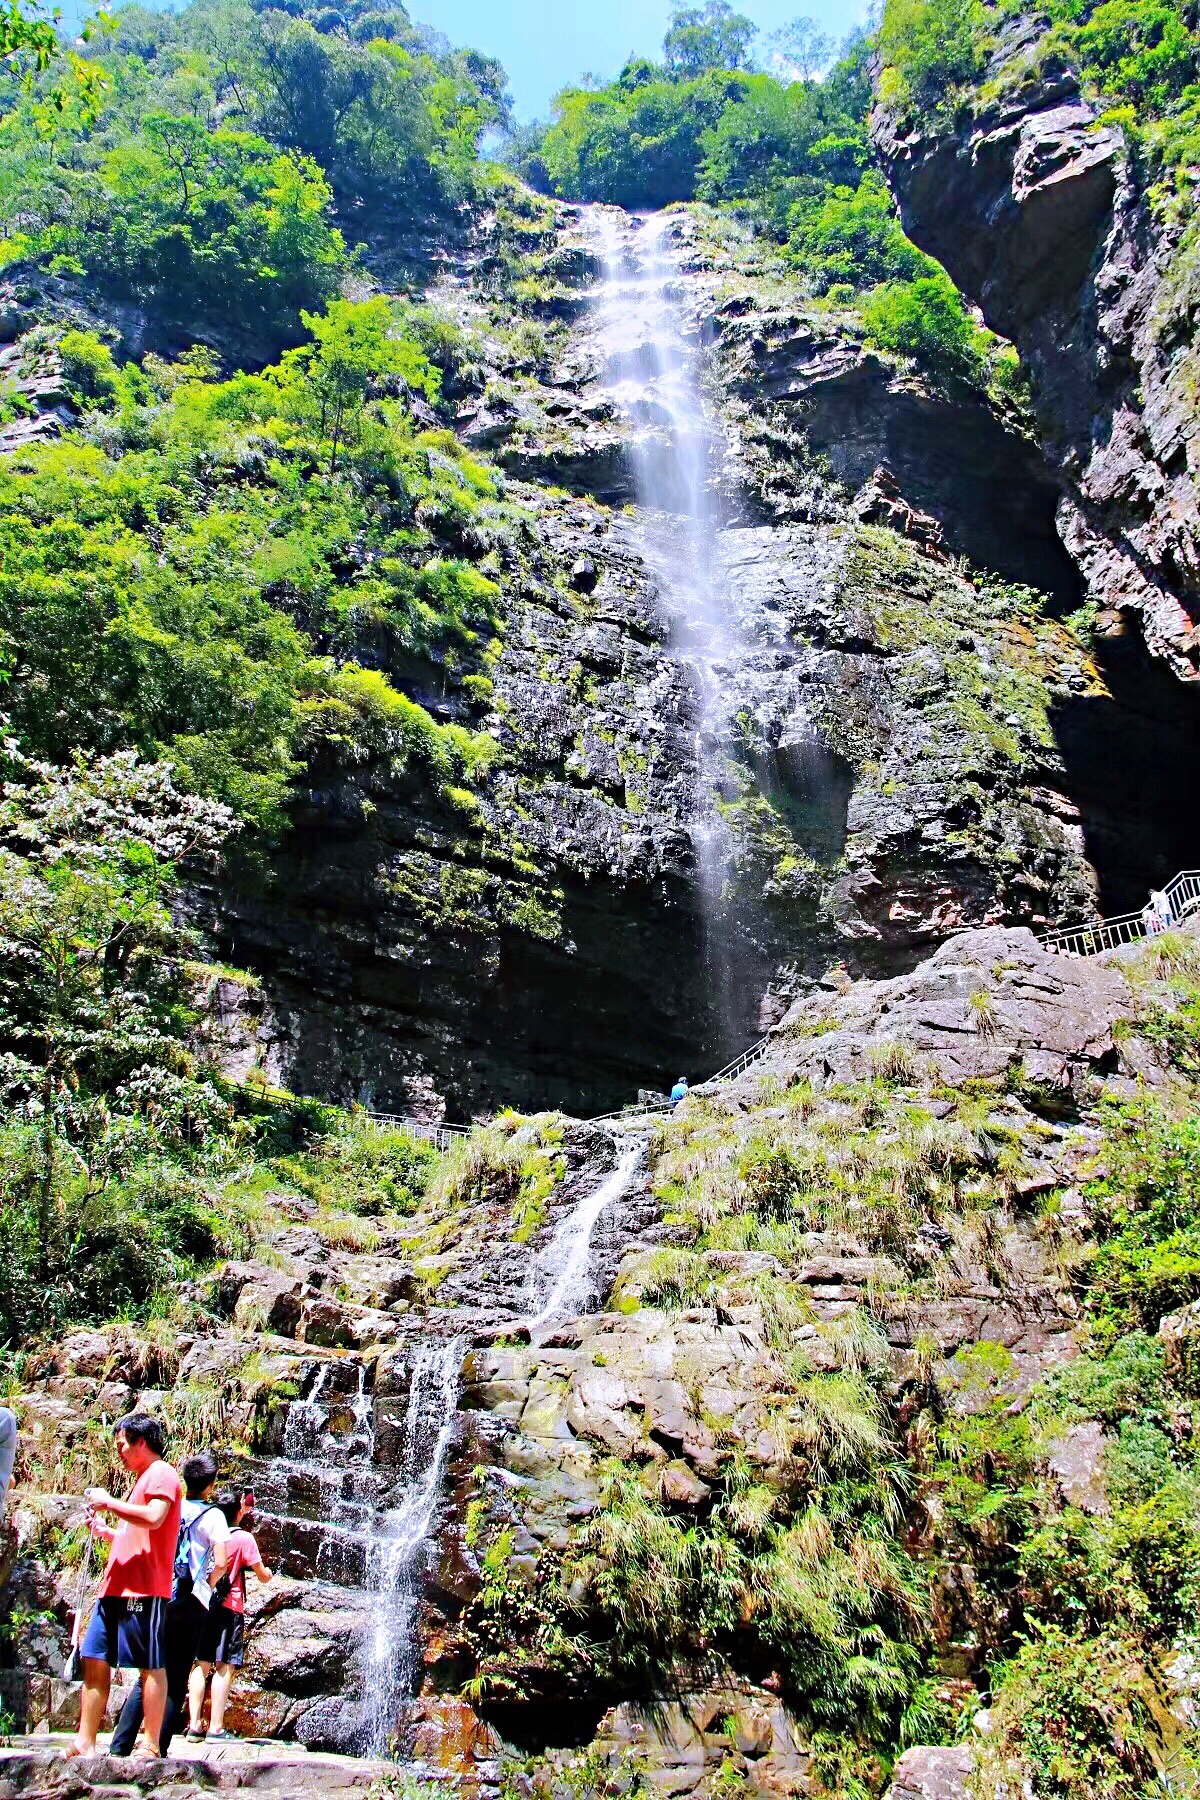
{"x": 127, "y": 1634}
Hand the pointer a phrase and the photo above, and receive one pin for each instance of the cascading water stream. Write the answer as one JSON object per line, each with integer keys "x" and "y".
{"x": 400, "y": 1541}
{"x": 649, "y": 371}
{"x": 561, "y": 1282}
{"x": 371, "y": 1530}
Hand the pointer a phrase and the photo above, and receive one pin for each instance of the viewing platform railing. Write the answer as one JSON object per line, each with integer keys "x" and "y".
{"x": 1183, "y": 899}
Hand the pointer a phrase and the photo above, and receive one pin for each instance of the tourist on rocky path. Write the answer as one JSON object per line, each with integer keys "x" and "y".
{"x": 8, "y": 1452}
{"x": 222, "y": 1645}
{"x": 679, "y": 1092}
{"x": 201, "y": 1556}
{"x": 127, "y": 1626}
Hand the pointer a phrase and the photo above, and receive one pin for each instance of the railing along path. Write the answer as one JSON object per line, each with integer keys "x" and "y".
{"x": 1183, "y": 899}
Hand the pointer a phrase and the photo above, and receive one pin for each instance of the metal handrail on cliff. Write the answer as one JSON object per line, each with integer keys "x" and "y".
{"x": 1183, "y": 899}
{"x": 655, "y": 1109}
{"x": 439, "y": 1135}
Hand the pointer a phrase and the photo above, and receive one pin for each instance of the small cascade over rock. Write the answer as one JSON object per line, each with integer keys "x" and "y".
{"x": 562, "y": 1281}
{"x": 349, "y": 1506}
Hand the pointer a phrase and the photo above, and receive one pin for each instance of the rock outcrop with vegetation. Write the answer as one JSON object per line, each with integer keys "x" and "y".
{"x": 1050, "y": 170}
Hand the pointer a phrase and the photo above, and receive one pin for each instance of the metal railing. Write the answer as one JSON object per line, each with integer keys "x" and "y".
{"x": 1183, "y": 899}
{"x": 440, "y": 1136}
{"x": 656, "y": 1109}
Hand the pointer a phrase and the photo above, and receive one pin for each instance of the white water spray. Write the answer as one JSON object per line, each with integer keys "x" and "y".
{"x": 399, "y": 1542}
{"x": 561, "y": 1283}
{"x": 650, "y": 372}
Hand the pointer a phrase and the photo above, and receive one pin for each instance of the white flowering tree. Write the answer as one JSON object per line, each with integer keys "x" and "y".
{"x": 97, "y": 1057}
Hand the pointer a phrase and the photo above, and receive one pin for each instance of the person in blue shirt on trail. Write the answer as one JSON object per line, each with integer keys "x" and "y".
{"x": 679, "y": 1091}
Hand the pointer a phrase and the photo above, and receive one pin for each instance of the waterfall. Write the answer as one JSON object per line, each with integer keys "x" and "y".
{"x": 650, "y": 373}
{"x": 365, "y": 1527}
{"x": 561, "y": 1280}
{"x": 399, "y": 1542}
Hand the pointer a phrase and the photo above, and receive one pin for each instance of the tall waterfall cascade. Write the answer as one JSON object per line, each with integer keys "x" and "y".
{"x": 650, "y": 372}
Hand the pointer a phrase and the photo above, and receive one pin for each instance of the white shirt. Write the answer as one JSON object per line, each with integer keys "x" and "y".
{"x": 209, "y": 1527}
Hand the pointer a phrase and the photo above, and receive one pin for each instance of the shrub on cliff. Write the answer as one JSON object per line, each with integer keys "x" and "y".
{"x": 926, "y": 320}
{"x": 213, "y": 226}
{"x": 928, "y": 48}
{"x": 853, "y": 235}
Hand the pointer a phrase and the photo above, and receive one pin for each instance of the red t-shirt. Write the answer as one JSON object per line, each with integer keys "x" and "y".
{"x": 243, "y": 1554}
{"x": 141, "y": 1560}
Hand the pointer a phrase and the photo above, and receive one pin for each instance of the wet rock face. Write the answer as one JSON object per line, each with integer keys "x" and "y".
{"x": 891, "y": 778}
{"x": 1031, "y": 205}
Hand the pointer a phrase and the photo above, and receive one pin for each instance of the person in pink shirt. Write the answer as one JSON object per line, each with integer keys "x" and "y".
{"x": 223, "y": 1643}
{"x": 127, "y": 1627}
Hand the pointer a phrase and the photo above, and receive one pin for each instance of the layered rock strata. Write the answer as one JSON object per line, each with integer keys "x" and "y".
{"x": 1031, "y": 201}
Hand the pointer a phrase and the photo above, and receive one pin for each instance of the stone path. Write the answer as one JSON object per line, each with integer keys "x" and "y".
{"x": 35, "y": 1765}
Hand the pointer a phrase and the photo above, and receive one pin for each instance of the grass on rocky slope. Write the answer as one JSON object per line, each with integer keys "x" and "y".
{"x": 839, "y": 1573}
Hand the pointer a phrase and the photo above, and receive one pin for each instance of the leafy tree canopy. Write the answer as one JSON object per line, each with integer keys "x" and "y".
{"x": 713, "y": 36}
{"x": 190, "y": 575}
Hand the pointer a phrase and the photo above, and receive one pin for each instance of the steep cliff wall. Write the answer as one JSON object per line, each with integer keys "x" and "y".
{"x": 1034, "y": 205}
{"x": 903, "y": 779}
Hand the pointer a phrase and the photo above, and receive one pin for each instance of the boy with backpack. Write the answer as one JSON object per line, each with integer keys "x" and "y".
{"x": 223, "y": 1640}
{"x": 201, "y": 1555}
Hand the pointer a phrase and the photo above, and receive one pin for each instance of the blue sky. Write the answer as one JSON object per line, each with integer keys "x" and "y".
{"x": 544, "y": 44}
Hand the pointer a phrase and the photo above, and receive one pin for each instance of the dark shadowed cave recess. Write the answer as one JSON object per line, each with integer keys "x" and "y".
{"x": 1133, "y": 768}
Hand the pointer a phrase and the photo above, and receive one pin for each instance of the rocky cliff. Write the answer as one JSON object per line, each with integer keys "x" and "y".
{"x": 905, "y": 778}
{"x": 1035, "y": 206}
{"x": 666, "y": 1524}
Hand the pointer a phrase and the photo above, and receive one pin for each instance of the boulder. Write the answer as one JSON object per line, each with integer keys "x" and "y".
{"x": 933, "y": 1774}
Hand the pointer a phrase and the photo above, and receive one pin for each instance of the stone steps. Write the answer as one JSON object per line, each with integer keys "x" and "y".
{"x": 36, "y": 1766}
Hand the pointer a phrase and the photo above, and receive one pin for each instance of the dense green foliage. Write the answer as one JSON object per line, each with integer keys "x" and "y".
{"x": 191, "y": 574}
{"x": 126, "y": 1162}
{"x": 697, "y": 127}
{"x": 204, "y": 178}
{"x": 107, "y": 1117}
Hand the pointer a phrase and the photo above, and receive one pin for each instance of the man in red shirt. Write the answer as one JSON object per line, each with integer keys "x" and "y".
{"x": 126, "y": 1627}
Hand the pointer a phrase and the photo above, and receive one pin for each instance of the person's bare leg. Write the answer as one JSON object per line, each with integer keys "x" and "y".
{"x": 197, "y": 1681}
{"x": 222, "y": 1682}
{"x": 96, "y": 1679}
{"x": 154, "y": 1702}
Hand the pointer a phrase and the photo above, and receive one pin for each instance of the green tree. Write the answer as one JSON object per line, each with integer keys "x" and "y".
{"x": 637, "y": 143}
{"x": 357, "y": 347}
{"x": 928, "y": 48}
{"x": 91, "y": 1015}
{"x": 800, "y": 49}
{"x": 926, "y": 320}
{"x": 853, "y": 235}
{"x": 706, "y": 37}
{"x": 1142, "y": 50}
